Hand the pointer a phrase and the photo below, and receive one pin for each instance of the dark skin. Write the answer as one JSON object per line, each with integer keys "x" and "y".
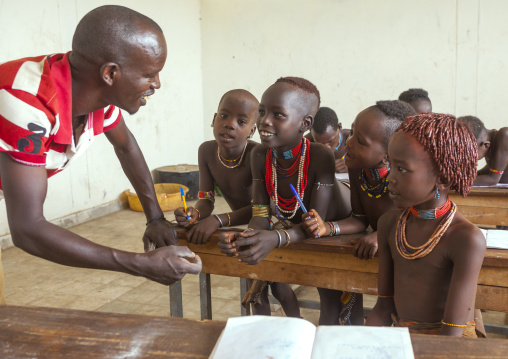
{"x": 365, "y": 149}
{"x": 281, "y": 123}
{"x": 95, "y": 86}
{"x": 494, "y": 147}
{"x": 233, "y": 124}
{"x": 331, "y": 138}
{"x": 441, "y": 285}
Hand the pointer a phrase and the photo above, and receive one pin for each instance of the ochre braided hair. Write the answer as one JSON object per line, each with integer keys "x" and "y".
{"x": 451, "y": 145}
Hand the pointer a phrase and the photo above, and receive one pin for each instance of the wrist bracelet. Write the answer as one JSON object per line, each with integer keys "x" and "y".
{"x": 336, "y": 228}
{"x": 288, "y": 238}
{"x": 454, "y": 325}
{"x": 330, "y": 224}
{"x": 220, "y": 221}
{"x": 229, "y": 219}
{"x": 155, "y": 219}
{"x": 280, "y": 238}
{"x": 199, "y": 214}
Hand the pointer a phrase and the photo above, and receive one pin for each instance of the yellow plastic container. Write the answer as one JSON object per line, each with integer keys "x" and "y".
{"x": 168, "y": 196}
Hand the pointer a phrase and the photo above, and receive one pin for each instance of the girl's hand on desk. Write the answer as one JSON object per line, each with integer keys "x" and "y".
{"x": 200, "y": 232}
{"x": 313, "y": 224}
{"x": 254, "y": 245}
{"x": 226, "y": 240}
{"x": 365, "y": 247}
{"x": 181, "y": 216}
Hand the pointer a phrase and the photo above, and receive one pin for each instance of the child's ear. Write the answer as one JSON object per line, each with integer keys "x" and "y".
{"x": 252, "y": 131}
{"x": 213, "y": 120}
{"x": 443, "y": 184}
{"x": 385, "y": 160}
{"x": 307, "y": 123}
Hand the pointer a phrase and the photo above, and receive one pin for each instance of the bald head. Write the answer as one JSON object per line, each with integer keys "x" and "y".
{"x": 110, "y": 33}
{"x": 241, "y": 95}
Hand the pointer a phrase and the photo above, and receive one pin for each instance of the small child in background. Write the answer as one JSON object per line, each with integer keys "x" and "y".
{"x": 418, "y": 98}
{"x": 430, "y": 255}
{"x": 328, "y": 131}
{"x": 285, "y": 157}
{"x": 367, "y": 160}
{"x": 224, "y": 161}
{"x": 493, "y": 145}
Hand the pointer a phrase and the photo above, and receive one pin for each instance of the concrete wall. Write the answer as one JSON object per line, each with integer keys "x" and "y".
{"x": 165, "y": 129}
{"x": 358, "y": 52}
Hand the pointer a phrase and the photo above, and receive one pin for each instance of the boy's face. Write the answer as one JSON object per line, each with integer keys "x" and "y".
{"x": 234, "y": 121}
{"x": 364, "y": 146}
{"x": 422, "y": 106}
{"x": 282, "y": 121}
{"x": 413, "y": 177}
{"x": 330, "y": 137}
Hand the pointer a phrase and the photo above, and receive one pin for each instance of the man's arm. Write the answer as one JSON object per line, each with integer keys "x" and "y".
{"x": 158, "y": 230}
{"x": 25, "y": 190}
{"x": 385, "y": 306}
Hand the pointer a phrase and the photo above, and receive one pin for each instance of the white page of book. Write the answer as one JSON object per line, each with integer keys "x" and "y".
{"x": 359, "y": 342}
{"x": 496, "y": 238}
{"x": 265, "y": 337}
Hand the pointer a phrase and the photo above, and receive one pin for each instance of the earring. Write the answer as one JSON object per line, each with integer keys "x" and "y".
{"x": 437, "y": 195}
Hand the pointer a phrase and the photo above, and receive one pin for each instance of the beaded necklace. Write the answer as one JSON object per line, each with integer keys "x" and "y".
{"x": 290, "y": 153}
{"x": 378, "y": 190}
{"x": 239, "y": 158}
{"x": 273, "y": 170}
{"x": 431, "y": 213}
{"x": 409, "y": 252}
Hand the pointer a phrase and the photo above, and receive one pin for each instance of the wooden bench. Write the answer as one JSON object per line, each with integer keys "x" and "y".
{"x": 484, "y": 205}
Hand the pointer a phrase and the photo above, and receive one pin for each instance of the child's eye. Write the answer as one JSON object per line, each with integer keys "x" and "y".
{"x": 278, "y": 114}
{"x": 223, "y": 115}
{"x": 402, "y": 170}
{"x": 261, "y": 112}
{"x": 242, "y": 122}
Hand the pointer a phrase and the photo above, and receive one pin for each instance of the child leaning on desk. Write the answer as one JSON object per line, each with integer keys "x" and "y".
{"x": 224, "y": 161}
{"x": 430, "y": 255}
{"x": 367, "y": 160}
{"x": 286, "y": 111}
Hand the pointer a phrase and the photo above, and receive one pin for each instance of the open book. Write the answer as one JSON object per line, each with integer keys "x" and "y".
{"x": 293, "y": 338}
{"x": 496, "y": 238}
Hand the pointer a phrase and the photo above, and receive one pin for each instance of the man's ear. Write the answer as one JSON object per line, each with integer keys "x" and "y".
{"x": 110, "y": 72}
{"x": 307, "y": 123}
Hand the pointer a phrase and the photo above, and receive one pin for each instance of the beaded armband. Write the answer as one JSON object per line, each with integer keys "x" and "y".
{"x": 210, "y": 195}
{"x": 454, "y": 325}
{"x": 261, "y": 210}
{"x": 496, "y": 171}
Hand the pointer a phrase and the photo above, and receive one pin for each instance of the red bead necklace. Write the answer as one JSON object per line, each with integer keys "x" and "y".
{"x": 431, "y": 213}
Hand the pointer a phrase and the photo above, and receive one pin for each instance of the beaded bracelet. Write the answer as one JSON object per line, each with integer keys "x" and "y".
{"x": 288, "y": 237}
{"x": 199, "y": 214}
{"x": 454, "y": 325}
{"x": 331, "y": 229}
{"x": 156, "y": 219}
{"x": 496, "y": 171}
{"x": 385, "y": 296}
{"x": 280, "y": 238}
{"x": 229, "y": 219}
{"x": 220, "y": 221}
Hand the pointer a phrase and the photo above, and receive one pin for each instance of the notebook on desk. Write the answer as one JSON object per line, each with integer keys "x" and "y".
{"x": 293, "y": 338}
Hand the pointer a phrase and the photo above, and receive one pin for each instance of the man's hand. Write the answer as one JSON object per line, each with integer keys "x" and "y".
{"x": 250, "y": 247}
{"x": 181, "y": 217}
{"x": 340, "y": 166}
{"x": 365, "y": 247}
{"x": 161, "y": 233}
{"x": 200, "y": 232}
{"x": 168, "y": 265}
{"x": 226, "y": 240}
{"x": 313, "y": 224}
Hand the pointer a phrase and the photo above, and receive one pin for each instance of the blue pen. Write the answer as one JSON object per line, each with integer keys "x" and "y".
{"x": 302, "y": 206}
{"x": 184, "y": 203}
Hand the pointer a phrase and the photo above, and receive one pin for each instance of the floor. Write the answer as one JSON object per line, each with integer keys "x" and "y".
{"x": 32, "y": 281}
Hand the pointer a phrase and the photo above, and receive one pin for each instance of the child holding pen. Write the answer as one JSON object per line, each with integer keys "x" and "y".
{"x": 286, "y": 112}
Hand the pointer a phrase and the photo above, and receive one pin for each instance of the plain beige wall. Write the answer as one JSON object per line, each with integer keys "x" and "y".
{"x": 358, "y": 52}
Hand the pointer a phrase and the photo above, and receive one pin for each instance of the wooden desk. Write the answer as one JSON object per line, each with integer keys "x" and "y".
{"x": 28, "y": 332}
{"x": 484, "y": 205}
{"x": 329, "y": 263}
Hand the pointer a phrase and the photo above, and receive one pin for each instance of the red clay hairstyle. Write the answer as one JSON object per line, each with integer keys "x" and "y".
{"x": 302, "y": 84}
{"x": 451, "y": 145}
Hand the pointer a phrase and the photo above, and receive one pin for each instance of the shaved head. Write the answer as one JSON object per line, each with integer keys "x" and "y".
{"x": 241, "y": 94}
{"x": 108, "y": 34}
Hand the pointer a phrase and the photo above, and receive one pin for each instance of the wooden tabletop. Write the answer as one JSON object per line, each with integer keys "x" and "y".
{"x": 35, "y": 332}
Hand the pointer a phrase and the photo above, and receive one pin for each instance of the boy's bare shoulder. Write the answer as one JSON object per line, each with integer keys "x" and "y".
{"x": 502, "y": 137}
{"x": 208, "y": 146}
{"x": 463, "y": 233}
{"x": 258, "y": 149}
{"x": 317, "y": 149}
{"x": 387, "y": 219}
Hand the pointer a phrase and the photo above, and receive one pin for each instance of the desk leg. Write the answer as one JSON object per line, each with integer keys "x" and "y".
{"x": 205, "y": 295}
{"x": 175, "y": 300}
{"x": 244, "y": 287}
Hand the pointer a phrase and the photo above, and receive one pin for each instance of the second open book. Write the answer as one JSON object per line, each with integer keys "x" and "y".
{"x": 293, "y": 338}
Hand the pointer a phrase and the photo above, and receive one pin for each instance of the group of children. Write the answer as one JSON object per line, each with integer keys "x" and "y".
{"x": 402, "y": 160}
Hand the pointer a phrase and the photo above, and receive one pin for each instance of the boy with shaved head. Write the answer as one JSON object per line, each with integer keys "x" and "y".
{"x": 52, "y": 107}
